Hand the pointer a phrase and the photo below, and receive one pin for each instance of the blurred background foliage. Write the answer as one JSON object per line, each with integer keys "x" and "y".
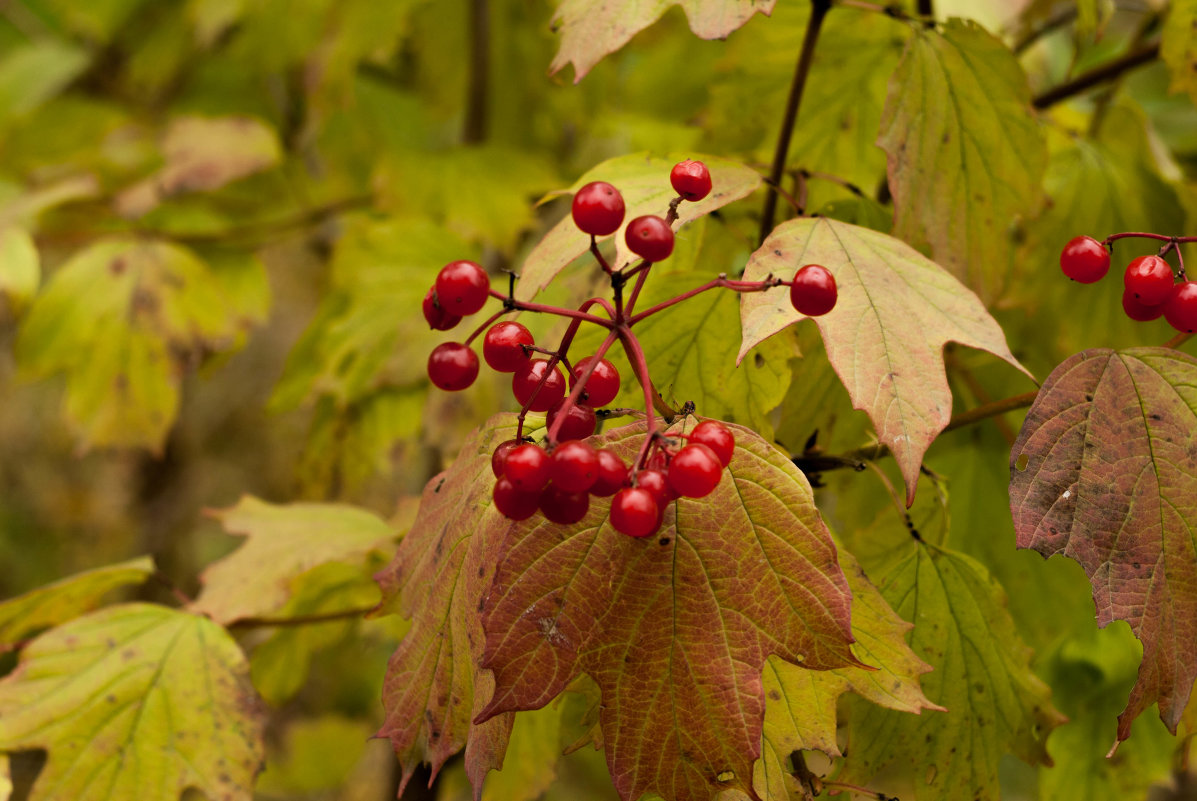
{"x": 218, "y": 219}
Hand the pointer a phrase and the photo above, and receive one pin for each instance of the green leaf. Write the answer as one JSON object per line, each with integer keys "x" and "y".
{"x": 692, "y": 613}
{"x": 885, "y": 337}
{"x": 965, "y": 153}
{"x": 590, "y": 29}
{"x": 1104, "y": 471}
{"x": 5, "y": 779}
{"x": 67, "y": 598}
{"x": 97, "y": 21}
{"x": 135, "y": 701}
{"x": 20, "y": 268}
{"x": 283, "y": 543}
{"x": 316, "y": 755}
{"x": 34, "y": 73}
{"x": 529, "y": 767}
{"x": 202, "y": 154}
{"x": 1178, "y": 46}
{"x": 643, "y": 180}
{"x": 980, "y": 673}
{"x": 125, "y": 319}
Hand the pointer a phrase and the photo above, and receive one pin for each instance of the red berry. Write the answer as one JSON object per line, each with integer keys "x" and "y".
{"x": 1149, "y": 278}
{"x": 499, "y": 457}
{"x": 717, "y": 437}
{"x": 527, "y": 379}
{"x": 462, "y": 287}
{"x": 603, "y": 384}
{"x": 527, "y": 467}
{"x": 502, "y": 346}
{"x": 691, "y": 179}
{"x": 650, "y": 238}
{"x": 612, "y": 474}
{"x": 655, "y": 482}
{"x": 1085, "y": 259}
{"x": 1180, "y": 309}
{"x": 695, "y": 471}
{"x": 579, "y": 422}
{"x": 452, "y": 366}
{"x": 438, "y": 319}
{"x": 514, "y": 503}
{"x": 813, "y": 291}
{"x": 634, "y": 512}
{"x": 575, "y": 466}
{"x": 598, "y": 209}
{"x": 1138, "y": 310}
{"x": 563, "y": 507}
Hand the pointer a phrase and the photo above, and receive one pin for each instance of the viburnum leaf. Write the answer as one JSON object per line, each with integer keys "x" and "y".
{"x": 676, "y": 628}
{"x": 31, "y": 74}
{"x": 1105, "y": 471}
{"x": 966, "y": 155}
{"x": 590, "y": 29}
{"x": 135, "y": 701}
{"x": 1178, "y": 46}
{"x": 885, "y": 336}
{"x": 20, "y": 267}
{"x": 125, "y": 319}
{"x": 283, "y": 543}
{"x": 67, "y": 598}
{"x": 980, "y": 673}
{"x": 801, "y": 711}
{"x": 643, "y": 180}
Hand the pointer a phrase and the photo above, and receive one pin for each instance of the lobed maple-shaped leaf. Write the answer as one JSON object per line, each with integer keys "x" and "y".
{"x": 67, "y": 598}
{"x": 885, "y": 336}
{"x": 676, "y": 628}
{"x": 1105, "y": 471}
{"x": 135, "y": 701}
{"x": 590, "y": 29}
{"x": 966, "y": 155}
{"x": 981, "y": 675}
{"x": 283, "y": 542}
{"x": 643, "y": 180}
{"x": 1178, "y": 46}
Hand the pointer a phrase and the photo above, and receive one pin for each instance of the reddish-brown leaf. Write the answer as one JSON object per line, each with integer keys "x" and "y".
{"x": 1105, "y": 472}
{"x": 675, "y": 628}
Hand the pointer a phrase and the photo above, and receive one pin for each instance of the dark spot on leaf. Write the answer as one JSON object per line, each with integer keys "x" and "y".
{"x": 776, "y": 252}
{"x": 111, "y": 698}
{"x": 1088, "y": 398}
{"x": 1156, "y": 417}
{"x": 116, "y": 266}
{"x": 775, "y": 695}
{"x": 482, "y": 568}
{"x": 438, "y": 486}
{"x": 758, "y": 360}
{"x": 664, "y": 541}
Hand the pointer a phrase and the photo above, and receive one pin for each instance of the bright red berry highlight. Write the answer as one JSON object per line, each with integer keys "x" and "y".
{"x": 1085, "y": 259}
{"x": 452, "y": 366}
{"x": 438, "y": 319}
{"x": 1138, "y": 310}
{"x": 634, "y": 512}
{"x": 499, "y": 457}
{"x": 598, "y": 209}
{"x": 603, "y": 384}
{"x": 575, "y": 466}
{"x": 691, "y": 179}
{"x": 563, "y": 507}
{"x": 528, "y": 467}
{"x": 1149, "y": 278}
{"x": 514, "y": 503}
{"x": 611, "y": 475}
{"x": 527, "y": 379}
{"x": 502, "y": 347}
{"x": 649, "y": 237}
{"x": 695, "y": 471}
{"x": 717, "y": 437}
{"x": 1180, "y": 309}
{"x": 813, "y": 291}
{"x": 462, "y": 287}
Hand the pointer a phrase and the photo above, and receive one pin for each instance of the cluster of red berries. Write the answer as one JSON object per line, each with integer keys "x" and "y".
{"x": 560, "y": 481}
{"x": 1151, "y": 290}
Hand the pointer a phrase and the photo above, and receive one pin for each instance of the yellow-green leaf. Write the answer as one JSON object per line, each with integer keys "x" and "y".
{"x": 33, "y": 73}
{"x": 20, "y": 267}
{"x": 1178, "y": 46}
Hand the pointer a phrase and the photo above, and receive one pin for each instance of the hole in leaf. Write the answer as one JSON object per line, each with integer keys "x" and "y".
{"x": 1021, "y": 462}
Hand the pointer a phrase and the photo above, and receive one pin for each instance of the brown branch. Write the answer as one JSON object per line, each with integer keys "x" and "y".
{"x": 302, "y": 620}
{"x": 1059, "y": 20}
{"x": 1098, "y": 75}
{"x": 1178, "y": 340}
{"x": 474, "y": 129}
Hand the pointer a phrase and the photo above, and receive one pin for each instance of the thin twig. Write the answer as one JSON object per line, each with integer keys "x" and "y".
{"x": 1098, "y": 75}
{"x": 474, "y": 128}
{"x": 1059, "y": 20}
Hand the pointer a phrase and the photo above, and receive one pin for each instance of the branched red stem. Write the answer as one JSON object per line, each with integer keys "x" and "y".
{"x": 580, "y": 386}
{"x": 722, "y": 281}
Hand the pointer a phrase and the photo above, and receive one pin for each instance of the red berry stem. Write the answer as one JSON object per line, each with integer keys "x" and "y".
{"x": 643, "y": 271}
{"x": 489, "y": 321}
{"x": 571, "y": 400}
{"x": 523, "y": 305}
{"x": 635, "y": 354}
{"x": 1180, "y": 240}
{"x": 722, "y": 281}
{"x": 598, "y": 256}
{"x": 671, "y": 215}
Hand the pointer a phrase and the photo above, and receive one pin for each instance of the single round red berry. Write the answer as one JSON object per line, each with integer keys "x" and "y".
{"x": 528, "y": 467}
{"x": 514, "y": 503}
{"x": 691, "y": 179}
{"x": 575, "y": 466}
{"x": 634, "y": 512}
{"x": 813, "y": 291}
{"x": 527, "y": 378}
{"x": 462, "y": 287}
{"x": 1149, "y": 278}
{"x": 502, "y": 347}
{"x": 438, "y": 319}
{"x": 1180, "y": 309}
{"x": 580, "y": 421}
{"x": 717, "y": 437}
{"x": 656, "y": 482}
{"x": 650, "y": 238}
{"x": 563, "y": 507}
{"x": 499, "y": 457}
{"x": 695, "y": 471}
{"x": 598, "y": 209}
{"x": 452, "y": 366}
{"x": 612, "y": 473}
{"x": 603, "y": 384}
{"x": 1138, "y": 310}
{"x": 1085, "y": 259}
